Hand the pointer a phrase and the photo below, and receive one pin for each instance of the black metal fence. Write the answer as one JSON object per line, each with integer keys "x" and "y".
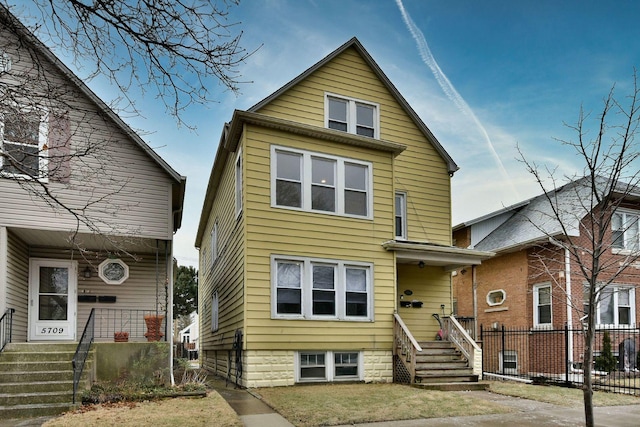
{"x": 6, "y": 324}
{"x": 82, "y": 351}
{"x": 130, "y": 325}
{"x": 556, "y": 356}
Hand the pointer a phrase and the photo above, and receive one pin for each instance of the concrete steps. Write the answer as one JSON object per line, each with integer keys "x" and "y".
{"x": 36, "y": 379}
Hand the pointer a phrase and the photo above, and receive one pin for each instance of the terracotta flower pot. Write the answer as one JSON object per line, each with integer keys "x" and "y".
{"x": 154, "y": 327}
{"x": 121, "y": 336}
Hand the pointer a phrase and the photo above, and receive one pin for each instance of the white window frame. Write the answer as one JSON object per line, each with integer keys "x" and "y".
{"x": 329, "y": 367}
{"x": 629, "y": 240}
{"x": 43, "y": 135}
{"x": 306, "y": 288}
{"x": 215, "y": 312}
{"x": 508, "y": 353}
{"x": 351, "y": 113}
{"x": 239, "y": 183}
{"x": 536, "y": 303}
{"x": 306, "y": 182}
{"x": 495, "y": 291}
{"x": 214, "y": 243}
{"x": 402, "y": 215}
{"x": 614, "y": 288}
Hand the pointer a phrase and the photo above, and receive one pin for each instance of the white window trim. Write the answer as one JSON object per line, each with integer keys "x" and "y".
{"x": 403, "y": 215}
{"x": 307, "y": 182}
{"x": 329, "y": 367}
{"x": 104, "y": 264}
{"x": 351, "y": 113}
{"x": 614, "y": 295}
{"x": 306, "y": 289}
{"x": 536, "y": 320}
{"x": 624, "y": 250}
{"x": 43, "y": 136}
{"x": 504, "y": 297}
{"x": 238, "y": 165}
{"x": 215, "y": 312}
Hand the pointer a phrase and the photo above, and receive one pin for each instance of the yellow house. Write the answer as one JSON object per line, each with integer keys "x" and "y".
{"x": 325, "y": 235}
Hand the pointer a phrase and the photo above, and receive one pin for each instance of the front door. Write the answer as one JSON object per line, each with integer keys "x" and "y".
{"x": 52, "y": 299}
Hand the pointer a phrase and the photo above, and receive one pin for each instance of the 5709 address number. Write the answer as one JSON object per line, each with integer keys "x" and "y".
{"x": 50, "y": 331}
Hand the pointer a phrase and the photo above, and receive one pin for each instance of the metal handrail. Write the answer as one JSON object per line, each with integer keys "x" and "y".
{"x": 406, "y": 347}
{"x": 82, "y": 351}
{"x": 6, "y": 326}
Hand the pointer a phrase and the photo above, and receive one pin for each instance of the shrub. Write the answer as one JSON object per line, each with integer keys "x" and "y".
{"x": 606, "y": 362}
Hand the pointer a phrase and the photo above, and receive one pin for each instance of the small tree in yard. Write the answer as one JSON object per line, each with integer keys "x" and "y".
{"x": 592, "y": 234}
{"x": 606, "y": 361}
{"x": 185, "y": 292}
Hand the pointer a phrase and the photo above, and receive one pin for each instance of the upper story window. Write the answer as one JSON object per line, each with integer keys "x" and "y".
{"x": 23, "y": 136}
{"x": 625, "y": 231}
{"x": 401, "y": 216}
{"x": 542, "y": 305}
{"x": 320, "y": 183}
{"x": 305, "y": 288}
{"x": 238, "y": 168}
{"x": 214, "y": 243}
{"x": 352, "y": 116}
{"x": 496, "y": 297}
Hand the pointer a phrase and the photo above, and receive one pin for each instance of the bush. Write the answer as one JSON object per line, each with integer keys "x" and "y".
{"x": 606, "y": 362}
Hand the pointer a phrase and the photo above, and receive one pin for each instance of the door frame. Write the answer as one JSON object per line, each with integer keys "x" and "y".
{"x": 72, "y": 303}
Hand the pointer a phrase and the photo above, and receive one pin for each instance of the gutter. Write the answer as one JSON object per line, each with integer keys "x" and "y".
{"x": 567, "y": 284}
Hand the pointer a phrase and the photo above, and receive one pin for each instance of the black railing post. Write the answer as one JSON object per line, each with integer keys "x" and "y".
{"x": 502, "y": 350}
{"x": 483, "y": 347}
{"x": 566, "y": 354}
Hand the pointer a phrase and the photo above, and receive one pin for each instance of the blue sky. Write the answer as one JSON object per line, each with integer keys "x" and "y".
{"x": 510, "y": 73}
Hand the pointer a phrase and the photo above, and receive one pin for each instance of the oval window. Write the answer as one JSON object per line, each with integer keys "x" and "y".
{"x": 113, "y": 271}
{"x": 496, "y": 297}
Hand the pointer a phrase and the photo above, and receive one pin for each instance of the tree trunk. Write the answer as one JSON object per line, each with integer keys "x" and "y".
{"x": 587, "y": 387}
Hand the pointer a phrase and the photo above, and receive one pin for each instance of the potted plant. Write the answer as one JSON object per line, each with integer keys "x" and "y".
{"x": 154, "y": 327}
{"x": 121, "y": 336}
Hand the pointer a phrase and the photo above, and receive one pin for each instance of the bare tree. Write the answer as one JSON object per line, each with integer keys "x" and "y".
{"x": 180, "y": 51}
{"x": 60, "y": 145}
{"x": 591, "y": 229}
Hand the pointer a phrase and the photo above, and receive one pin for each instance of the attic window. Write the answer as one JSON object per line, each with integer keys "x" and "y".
{"x": 352, "y": 116}
{"x": 496, "y": 297}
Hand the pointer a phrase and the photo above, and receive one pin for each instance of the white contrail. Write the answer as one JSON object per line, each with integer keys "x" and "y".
{"x": 447, "y": 87}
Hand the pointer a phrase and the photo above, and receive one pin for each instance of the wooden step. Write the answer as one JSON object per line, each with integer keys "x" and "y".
{"x": 453, "y": 386}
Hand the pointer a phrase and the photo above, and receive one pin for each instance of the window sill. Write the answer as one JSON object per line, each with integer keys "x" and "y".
{"x": 496, "y": 309}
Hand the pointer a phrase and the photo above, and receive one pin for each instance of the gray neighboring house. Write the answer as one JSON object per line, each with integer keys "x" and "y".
{"x": 54, "y": 270}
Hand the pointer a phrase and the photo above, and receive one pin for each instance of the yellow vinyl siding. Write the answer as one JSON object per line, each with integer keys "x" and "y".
{"x": 419, "y": 170}
{"x": 226, "y": 274}
{"x": 432, "y": 286}
{"x": 286, "y": 232}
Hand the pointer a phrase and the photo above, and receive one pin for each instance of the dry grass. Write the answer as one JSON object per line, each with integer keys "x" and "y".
{"x": 333, "y": 404}
{"x": 209, "y": 411}
{"x": 561, "y": 396}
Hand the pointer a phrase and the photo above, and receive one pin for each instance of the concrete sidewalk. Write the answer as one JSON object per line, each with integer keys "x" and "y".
{"x": 255, "y": 413}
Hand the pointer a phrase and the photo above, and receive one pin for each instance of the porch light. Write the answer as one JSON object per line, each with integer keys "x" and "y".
{"x": 87, "y": 272}
{"x": 421, "y": 264}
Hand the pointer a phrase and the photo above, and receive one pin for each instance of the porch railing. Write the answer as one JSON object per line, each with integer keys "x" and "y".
{"x": 6, "y": 325}
{"x": 406, "y": 347}
{"x": 82, "y": 351}
{"x": 456, "y": 334}
{"x": 110, "y": 321}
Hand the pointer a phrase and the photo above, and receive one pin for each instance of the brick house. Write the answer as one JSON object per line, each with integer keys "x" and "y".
{"x": 535, "y": 285}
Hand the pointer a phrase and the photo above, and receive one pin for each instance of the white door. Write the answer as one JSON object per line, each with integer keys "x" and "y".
{"x": 52, "y": 299}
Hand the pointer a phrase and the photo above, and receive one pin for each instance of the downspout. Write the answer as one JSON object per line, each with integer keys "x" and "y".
{"x": 567, "y": 281}
{"x": 169, "y": 269}
{"x": 474, "y": 285}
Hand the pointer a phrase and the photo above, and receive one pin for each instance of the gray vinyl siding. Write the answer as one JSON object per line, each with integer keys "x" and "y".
{"x": 17, "y": 290}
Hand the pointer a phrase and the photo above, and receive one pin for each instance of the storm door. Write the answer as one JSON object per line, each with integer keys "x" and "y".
{"x": 52, "y": 300}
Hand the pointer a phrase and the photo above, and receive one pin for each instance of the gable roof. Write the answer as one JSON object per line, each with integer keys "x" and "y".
{"x": 534, "y": 220}
{"x": 355, "y": 43}
{"x": 179, "y": 180}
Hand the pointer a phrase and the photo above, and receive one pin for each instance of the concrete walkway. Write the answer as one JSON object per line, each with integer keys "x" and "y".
{"x": 255, "y": 413}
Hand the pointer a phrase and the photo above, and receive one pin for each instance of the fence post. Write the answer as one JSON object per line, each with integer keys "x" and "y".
{"x": 481, "y": 346}
{"x": 502, "y": 351}
{"x": 566, "y": 354}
